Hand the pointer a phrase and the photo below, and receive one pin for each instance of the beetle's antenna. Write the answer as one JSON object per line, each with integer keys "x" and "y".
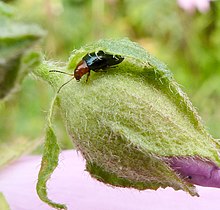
{"x": 64, "y": 84}
{"x": 62, "y": 72}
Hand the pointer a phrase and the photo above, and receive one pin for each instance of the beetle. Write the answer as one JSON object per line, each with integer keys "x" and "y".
{"x": 95, "y": 61}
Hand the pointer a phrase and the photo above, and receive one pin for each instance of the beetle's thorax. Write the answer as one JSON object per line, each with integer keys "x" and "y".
{"x": 81, "y": 69}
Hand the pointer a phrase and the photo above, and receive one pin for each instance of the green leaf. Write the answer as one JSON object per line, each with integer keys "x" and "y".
{"x": 49, "y": 161}
{"x": 128, "y": 120}
{"x": 13, "y": 149}
{"x": 48, "y": 165}
{"x": 15, "y": 60}
{"x": 6, "y": 10}
{"x": 3, "y": 203}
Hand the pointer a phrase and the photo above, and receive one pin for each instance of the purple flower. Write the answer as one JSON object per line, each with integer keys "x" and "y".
{"x": 72, "y": 185}
{"x": 197, "y": 171}
{"x": 191, "y": 5}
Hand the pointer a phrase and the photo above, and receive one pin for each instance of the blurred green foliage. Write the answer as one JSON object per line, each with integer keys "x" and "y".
{"x": 187, "y": 42}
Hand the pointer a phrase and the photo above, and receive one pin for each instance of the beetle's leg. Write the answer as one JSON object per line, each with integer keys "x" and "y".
{"x": 115, "y": 57}
{"x": 89, "y": 55}
{"x": 98, "y": 56}
{"x": 109, "y": 67}
{"x": 87, "y": 78}
{"x": 103, "y": 70}
{"x": 112, "y": 67}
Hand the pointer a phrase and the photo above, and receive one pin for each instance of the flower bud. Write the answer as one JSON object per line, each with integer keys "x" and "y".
{"x": 127, "y": 121}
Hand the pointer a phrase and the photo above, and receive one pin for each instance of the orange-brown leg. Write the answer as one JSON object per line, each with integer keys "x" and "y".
{"x": 87, "y": 78}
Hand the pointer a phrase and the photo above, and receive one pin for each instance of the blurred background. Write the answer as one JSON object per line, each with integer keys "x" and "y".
{"x": 183, "y": 34}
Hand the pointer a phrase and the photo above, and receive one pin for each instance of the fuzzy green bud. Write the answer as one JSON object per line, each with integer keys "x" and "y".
{"x": 127, "y": 120}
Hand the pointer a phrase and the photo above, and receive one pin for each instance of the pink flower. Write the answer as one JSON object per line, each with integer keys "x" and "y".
{"x": 72, "y": 185}
{"x": 191, "y": 5}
